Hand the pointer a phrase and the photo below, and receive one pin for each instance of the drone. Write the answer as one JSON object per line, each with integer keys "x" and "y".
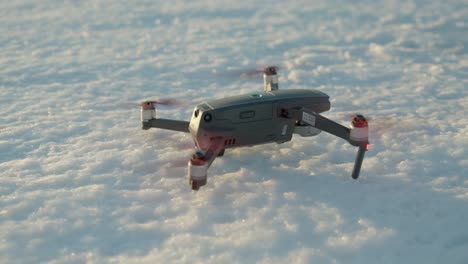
{"x": 273, "y": 115}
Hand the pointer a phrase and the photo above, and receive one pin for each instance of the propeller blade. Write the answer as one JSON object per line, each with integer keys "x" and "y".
{"x": 165, "y": 102}
{"x": 383, "y": 126}
{"x": 250, "y": 73}
{"x": 267, "y": 70}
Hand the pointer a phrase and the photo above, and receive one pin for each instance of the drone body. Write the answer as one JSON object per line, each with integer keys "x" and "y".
{"x": 257, "y": 118}
{"x": 253, "y": 119}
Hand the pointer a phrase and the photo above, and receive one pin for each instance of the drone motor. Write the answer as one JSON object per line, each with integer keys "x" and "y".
{"x": 359, "y": 129}
{"x": 148, "y": 111}
{"x": 270, "y": 79}
{"x": 198, "y": 169}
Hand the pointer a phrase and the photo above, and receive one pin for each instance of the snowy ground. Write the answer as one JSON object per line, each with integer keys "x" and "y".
{"x": 80, "y": 181}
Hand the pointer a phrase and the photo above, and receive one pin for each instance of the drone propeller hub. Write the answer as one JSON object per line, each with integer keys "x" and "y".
{"x": 359, "y": 121}
{"x": 271, "y": 70}
{"x": 148, "y": 105}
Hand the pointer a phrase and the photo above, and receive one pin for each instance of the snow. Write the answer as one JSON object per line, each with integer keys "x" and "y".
{"x": 81, "y": 182}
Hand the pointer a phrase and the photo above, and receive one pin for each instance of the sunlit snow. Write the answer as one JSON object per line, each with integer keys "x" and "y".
{"x": 81, "y": 182}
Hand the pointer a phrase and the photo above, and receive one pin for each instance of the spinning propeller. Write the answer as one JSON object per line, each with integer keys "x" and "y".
{"x": 165, "y": 102}
{"x": 269, "y": 70}
{"x": 251, "y": 72}
{"x": 150, "y": 103}
{"x": 270, "y": 77}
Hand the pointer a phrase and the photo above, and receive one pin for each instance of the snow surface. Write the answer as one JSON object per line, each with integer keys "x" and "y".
{"x": 81, "y": 182}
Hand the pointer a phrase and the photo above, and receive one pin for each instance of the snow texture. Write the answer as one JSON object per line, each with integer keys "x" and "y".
{"x": 81, "y": 182}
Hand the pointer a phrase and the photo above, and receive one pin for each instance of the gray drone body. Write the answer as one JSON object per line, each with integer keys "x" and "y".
{"x": 253, "y": 119}
{"x": 257, "y": 118}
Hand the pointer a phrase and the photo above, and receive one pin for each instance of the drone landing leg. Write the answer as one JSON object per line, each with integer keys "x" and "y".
{"x": 356, "y": 136}
{"x": 358, "y": 162}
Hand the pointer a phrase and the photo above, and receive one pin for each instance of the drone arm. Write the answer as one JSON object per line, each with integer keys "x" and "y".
{"x": 175, "y": 125}
{"x": 149, "y": 120}
{"x": 318, "y": 121}
{"x": 323, "y": 123}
